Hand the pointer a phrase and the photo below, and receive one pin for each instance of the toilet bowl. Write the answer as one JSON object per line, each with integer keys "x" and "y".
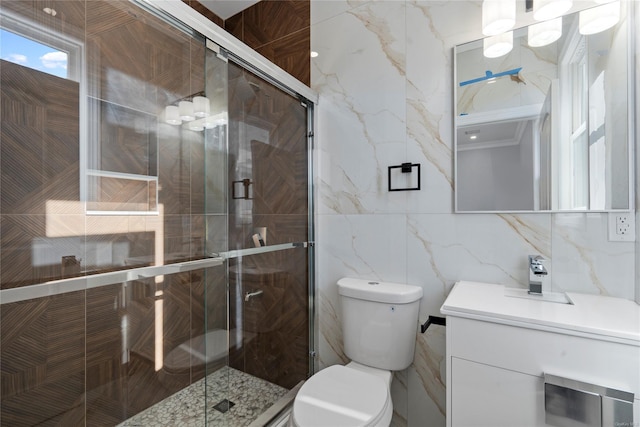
{"x": 347, "y": 396}
{"x": 379, "y": 326}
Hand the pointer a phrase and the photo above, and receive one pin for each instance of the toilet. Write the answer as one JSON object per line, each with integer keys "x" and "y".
{"x": 379, "y": 324}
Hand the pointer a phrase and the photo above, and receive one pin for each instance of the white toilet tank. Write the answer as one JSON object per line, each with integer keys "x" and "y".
{"x": 379, "y": 322}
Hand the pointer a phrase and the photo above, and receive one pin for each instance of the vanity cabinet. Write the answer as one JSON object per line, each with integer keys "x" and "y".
{"x": 487, "y": 396}
{"x": 499, "y": 351}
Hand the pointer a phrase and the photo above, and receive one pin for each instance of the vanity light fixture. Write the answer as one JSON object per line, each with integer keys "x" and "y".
{"x": 196, "y": 113}
{"x": 544, "y": 33}
{"x": 201, "y": 106}
{"x": 195, "y": 125}
{"x": 172, "y": 115}
{"x": 186, "y": 111}
{"x": 211, "y": 121}
{"x": 599, "y": 18}
{"x": 498, "y": 16}
{"x": 496, "y": 46}
{"x": 543, "y": 10}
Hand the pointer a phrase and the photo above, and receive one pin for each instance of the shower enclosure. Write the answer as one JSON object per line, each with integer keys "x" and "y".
{"x": 153, "y": 268}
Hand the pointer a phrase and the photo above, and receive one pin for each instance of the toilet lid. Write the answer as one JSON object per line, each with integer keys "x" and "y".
{"x": 340, "y": 396}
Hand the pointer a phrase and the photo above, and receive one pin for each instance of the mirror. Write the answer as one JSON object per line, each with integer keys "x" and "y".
{"x": 546, "y": 128}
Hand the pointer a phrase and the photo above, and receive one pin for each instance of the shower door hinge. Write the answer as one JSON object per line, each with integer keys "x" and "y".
{"x": 310, "y": 135}
{"x": 313, "y": 354}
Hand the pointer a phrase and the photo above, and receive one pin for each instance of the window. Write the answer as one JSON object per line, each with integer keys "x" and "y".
{"x": 26, "y": 43}
{"x": 33, "y": 54}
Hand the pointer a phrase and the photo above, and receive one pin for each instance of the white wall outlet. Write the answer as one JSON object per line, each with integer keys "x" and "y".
{"x": 622, "y": 227}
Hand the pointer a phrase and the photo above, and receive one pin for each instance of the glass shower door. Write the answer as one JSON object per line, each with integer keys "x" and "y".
{"x": 267, "y": 227}
{"x": 269, "y": 298}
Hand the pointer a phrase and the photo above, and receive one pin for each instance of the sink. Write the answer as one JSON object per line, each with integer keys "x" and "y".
{"x": 557, "y": 297}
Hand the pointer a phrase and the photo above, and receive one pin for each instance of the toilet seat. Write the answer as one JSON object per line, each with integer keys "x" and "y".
{"x": 342, "y": 396}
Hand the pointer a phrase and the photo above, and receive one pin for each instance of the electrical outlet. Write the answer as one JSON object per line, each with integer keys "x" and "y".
{"x": 622, "y": 227}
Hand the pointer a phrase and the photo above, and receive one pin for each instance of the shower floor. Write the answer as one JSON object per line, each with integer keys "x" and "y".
{"x": 251, "y": 397}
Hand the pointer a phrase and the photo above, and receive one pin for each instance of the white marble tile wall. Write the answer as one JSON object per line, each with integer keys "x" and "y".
{"x": 384, "y": 74}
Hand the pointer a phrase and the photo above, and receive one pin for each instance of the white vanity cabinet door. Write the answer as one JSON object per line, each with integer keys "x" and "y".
{"x": 486, "y": 396}
{"x": 495, "y": 372}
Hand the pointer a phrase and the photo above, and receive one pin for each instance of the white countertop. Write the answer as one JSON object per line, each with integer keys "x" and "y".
{"x": 600, "y": 317}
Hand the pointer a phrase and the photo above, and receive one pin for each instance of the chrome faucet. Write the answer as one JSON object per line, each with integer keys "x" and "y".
{"x": 536, "y": 274}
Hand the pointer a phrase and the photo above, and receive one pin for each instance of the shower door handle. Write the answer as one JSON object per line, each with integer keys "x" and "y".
{"x": 246, "y": 183}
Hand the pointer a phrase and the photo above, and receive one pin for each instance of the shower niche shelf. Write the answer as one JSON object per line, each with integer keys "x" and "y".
{"x": 143, "y": 188}
{"x": 121, "y": 174}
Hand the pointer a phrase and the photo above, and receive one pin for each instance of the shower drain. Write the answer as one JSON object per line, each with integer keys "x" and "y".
{"x": 224, "y": 405}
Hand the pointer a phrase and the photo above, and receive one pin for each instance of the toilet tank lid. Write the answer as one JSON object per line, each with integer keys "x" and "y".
{"x": 372, "y": 290}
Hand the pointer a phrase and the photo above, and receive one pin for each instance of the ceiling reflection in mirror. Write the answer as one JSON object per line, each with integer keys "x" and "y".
{"x": 546, "y": 128}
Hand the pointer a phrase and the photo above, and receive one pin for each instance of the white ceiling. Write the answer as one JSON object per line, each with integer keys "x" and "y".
{"x": 227, "y": 8}
{"x": 491, "y": 135}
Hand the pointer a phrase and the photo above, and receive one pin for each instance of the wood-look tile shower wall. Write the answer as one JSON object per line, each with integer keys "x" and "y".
{"x": 91, "y": 357}
{"x": 280, "y": 30}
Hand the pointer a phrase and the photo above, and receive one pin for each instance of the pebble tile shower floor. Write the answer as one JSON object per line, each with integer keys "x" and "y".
{"x": 251, "y": 396}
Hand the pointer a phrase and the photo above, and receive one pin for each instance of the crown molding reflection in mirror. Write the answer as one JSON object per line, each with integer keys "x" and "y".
{"x": 548, "y": 126}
